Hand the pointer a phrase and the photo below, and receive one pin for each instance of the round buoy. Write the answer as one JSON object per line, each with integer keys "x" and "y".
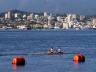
{"x": 79, "y": 58}
{"x": 18, "y": 61}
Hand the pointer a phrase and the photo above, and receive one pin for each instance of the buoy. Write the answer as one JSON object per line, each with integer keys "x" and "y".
{"x": 79, "y": 58}
{"x": 18, "y": 61}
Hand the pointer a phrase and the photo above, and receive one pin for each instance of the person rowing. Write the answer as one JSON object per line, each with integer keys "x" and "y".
{"x": 50, "y": 51}
{"x": 59, "y": 51}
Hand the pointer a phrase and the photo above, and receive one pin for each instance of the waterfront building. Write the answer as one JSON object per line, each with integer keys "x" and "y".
{"x": 89, "y": 24}
{"x": 49, "y": 20}
{"x": 94, "y": 21}
{"x": 22, "y": 27}
{"x": 74, "y": 17}
{"x": 36, "y": 16}
{"x": 16, "y": 15}
{"x": 68, "y": 19}
{"x": 82, "y": 17}
{"x": 58, "y": 25}
{"x": 45, "y": 14}
{"x": 77, "y": 26}
{"x": 71, "y": 17}
{"x": 45, "y": 26}
{"x": 65, "y": 25}
{"x": 8, "y": 15}
{"x": 30, "y": 17}
{"x": 94, "y": 27}
{"x": 59, "y": 19}
{"x": 24, "y": 16}
{"x": 71, "y": 23}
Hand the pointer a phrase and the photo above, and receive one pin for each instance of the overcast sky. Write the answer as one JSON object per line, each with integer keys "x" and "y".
{"x": 58, "y": 6}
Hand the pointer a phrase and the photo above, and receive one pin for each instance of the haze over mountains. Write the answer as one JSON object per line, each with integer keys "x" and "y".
{"x": 86, "y": 7}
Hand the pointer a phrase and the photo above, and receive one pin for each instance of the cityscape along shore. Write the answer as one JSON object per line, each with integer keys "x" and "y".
{"x": 15, "y": 19}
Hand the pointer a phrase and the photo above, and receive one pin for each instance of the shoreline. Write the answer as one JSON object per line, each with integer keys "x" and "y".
{"x": 21, "y": 30}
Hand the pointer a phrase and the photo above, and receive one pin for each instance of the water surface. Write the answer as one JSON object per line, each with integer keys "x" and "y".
{"x": 26, "y": 42}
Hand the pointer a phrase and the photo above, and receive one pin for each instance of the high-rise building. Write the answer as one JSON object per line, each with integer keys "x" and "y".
{"x": 45, "y": 14}
{"x": 9, "y": 14}
{"x": 16, "y": 15}
{"x": 6, "y": 15}
{"x": 49, "y": 20}
{"x": 71, "y": 17}
{"x": 65, "y": 25}
{"x": 59, "y": 19}
{"x": 30, "y": 17}
{"x": 71, "y": 23}
{"x": 74, "y": 16}
{"x": 94, "y": 21}
{"x": 24, "y": 16}
{"x": 82, "y": 17}
{"x": 36, "y": 16}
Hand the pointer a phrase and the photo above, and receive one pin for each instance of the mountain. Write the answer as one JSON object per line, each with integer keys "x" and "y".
{"x": 55, "y": 6}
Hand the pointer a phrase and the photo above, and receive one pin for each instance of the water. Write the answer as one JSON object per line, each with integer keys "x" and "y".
{"x": 26, "y": 42}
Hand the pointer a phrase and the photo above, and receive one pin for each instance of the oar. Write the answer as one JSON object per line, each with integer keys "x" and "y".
{"x": 36, "y": 53}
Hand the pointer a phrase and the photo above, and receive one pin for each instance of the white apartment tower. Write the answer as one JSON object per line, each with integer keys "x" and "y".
{"x": 94, "y": 21}
{"x": 71, "y": 17}
{"x": 45, "y": 14}
{"x": 65, "y": 25}
{"x": 59, "y": 19}
{"x": 8, "y": 15}
{"x": 16, "y": 15}
{"x": 49, "y": 20}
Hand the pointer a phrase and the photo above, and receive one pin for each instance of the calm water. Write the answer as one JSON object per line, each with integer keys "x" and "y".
{"x": 26, "y": 42}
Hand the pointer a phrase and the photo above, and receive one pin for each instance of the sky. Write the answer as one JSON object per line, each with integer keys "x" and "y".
{"x": 55, "y": 6}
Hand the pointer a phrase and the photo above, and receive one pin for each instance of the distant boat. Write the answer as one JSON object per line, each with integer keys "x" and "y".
{"x": 56, "y": 53}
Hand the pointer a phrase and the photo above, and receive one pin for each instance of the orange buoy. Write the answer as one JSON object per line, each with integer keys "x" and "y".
{"x": 18, "y": 61}
{"x": 79, "y": 58}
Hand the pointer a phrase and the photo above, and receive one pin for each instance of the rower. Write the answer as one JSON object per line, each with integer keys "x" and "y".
{"x": 50, "y": 51}
{"x": 59, "y": 50}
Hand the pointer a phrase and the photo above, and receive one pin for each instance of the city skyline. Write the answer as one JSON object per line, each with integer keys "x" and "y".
{"x": 86, "y": 7}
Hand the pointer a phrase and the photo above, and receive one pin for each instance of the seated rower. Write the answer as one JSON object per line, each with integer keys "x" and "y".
{"x": 50, "y": 51}
{"x": 59, "y": 51}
